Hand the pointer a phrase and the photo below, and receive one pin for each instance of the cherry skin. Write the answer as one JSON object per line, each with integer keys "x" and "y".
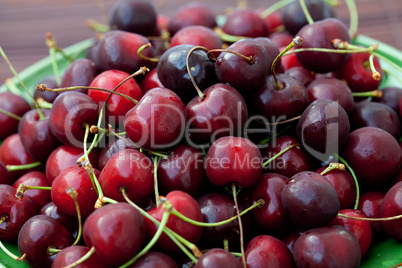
{"x": 268, "y": 251}
{"x": 154, "y": 259}
{"x": 273, "y": 21}
{"x": 310, "y": 200}
{"x": 150, "y": 81}
{"x": 273, "y": 52}
{"x": 78, "y": 179}
{"x": 245, "y": 22}
{"x": 217, "y": 257}
{"x": 327, "y": 247}
{"x": 370, "y": 204}
{"x": 5, "y": 176}
{"x": 14, "y": 104}
{"x": 49, "y": 96}
{"x": 36, "y": 136}
{"x": 196, "y": 35}
{"x": 320, "y": 35}
{"x": 71, "y": 254}
{"x": 373, "y": 154}
{"x": 17, "y": 212}
{"x": 131, "y": 170}
{"x": 223, "y": 112}
{"x": 301, "y": 74}
{"x": 70, "y": 222}
{"x": 35, "y": 178}
{"x": 80, "y": 72}
{"x": 39, "y": 234}
{"x": 108, "y": 228}
{"x": 281, "y": 39}
{"x": 391, "y": 97}
{"x": 157, "y": 121}
{"x": 290, "y": 61}
{"x": 391, "y": 206}
{"x": 112, "y": 148}
{"x": 233, "y": 159}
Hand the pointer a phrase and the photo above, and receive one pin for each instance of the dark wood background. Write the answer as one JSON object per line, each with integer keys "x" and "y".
{"x": 24, "y": 23}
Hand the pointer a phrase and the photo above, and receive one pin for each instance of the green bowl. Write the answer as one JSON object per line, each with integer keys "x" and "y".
{"x": 384, "y": 254}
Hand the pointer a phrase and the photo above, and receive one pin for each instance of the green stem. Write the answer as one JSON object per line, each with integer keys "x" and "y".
{"x": 279, "y": 154}
{"x": 139, "y": 53}
{"x": 200, "y": 94}
{"x": 82, "y": 259}
{"x": 398, "y": 217}
{"x": 333, "y": 166}
{"x": 10, "y": 254}
{"x": 44, "y": 104}
{"x": 354, "y": 17}
{"x": 396, "y": 66}
{"x": 227, "y": 37}
{"x": 52, "y": 54}
{"x": 376, "y": 74}
{"x": 330, "y": 50}
{"x": 334, "y": 3}
{"x": 354, "y": 178}
{"x": 240, "y": 225}
{"x": 275, "y": 7}
{"x": 74, "y": 195}
{"x": 157, "y": 200}
{"x": 109, "y": 200}
{"x": 306, "y": 12}
{"x": 23, "y": 167}
{"x": 99, "y": 27}
{"x": 14, "y": 116}
{"x": 375, "y": 93}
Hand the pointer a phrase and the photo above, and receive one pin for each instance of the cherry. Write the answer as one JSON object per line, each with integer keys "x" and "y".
{"x": 294, "y": 19}
{"x": 131, "y": 170}
{"x": 281, "y": 39}
{"x": 273, "y": 21}
{"x": 80, "y": 72}
{"x": 5, "y": 176}
{"x": 310, "y": 200}
{"x": 35, "y": 178}
{"x": 320, "y": 35}
{"x": 273, "y": 52}
{"x": 271, "y": 216}
{"x": 196, "y": 35}
{"x": 69, "y": 113}
{"x": 391, "y": 206}
{"x": 233, "y": 159}
{"x": 390, "y": 97}
{"x": 150, "y": 81}
{"x": 192, "y": 13}
{"x": 70, "y": 222}
{"x": 36, "y": 136}
{"x": 118, "y": 50}
{"x": 49, "y": 96}
{"x": 290, "y": 61}
{"x": 332, "y": 89}
{"x": 222, "y": 112}
{"x": 268, "y": 251}
{"x": 370, "y": 204}
{"x": 71, "y": 254}
{"x": 157, "y": 121}
{"x": 14, "y": 104}
{"x": 373, "y": 114}
{"x": 173, "y": 74}
{"x": 361, "y": 229}
{"x": 217, "y": 257}
{"x": 245, "y": 22}
{"x": 13, "y": 212}
{"x": 327, "y": 247}
{"x": 78, "y": 179}
{"x": 373, "y": 154}
{"x": 117, "y": 106}
{"x": 154, "y": 259}
{"x": 301, "y": 74}
{"x": 182, "y": 170}
{"x": 108, "y": 229}
{"x": 358, "y": 74}
{"x": 112, "y": 148}
{"x": 137, "y": 16}
{"x": 40, "y": 234}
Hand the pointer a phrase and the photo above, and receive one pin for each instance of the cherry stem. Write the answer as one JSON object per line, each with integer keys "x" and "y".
{"x": 44, "y": 104}
{"x": 396, "y": 66}
{"x": 277, "y": 133}
{"x": 279, "y": 154}
{"x": 330, "y": 50}
{"x": 376, "y": 75}
{"x": 51, "y": 250}
{"x": 96, "y": 26}
{"x": 334, "y": 3}
{"x": 95, "y": 130}
{"x": 250, "y": 59}
{"x": 226, "y": 244}
{"x": 3, "y": 218}
{"x": 354, "y": 17}
{"x": 23, "y": 167}
{"x": 161, "y": 227}
{"x": 375, "y": 93}
{"x": 74, "y": 195}
{"x": 51, "y": 44}
{"x": 306, "y": 12}
{"x": 398, "y": 217}
{"x": 354, "y": 178}
{"x": 296, "y": 41}
{"x": 145, "y": 57}
{"x": 333, "y": 166}
{"x": 41, "y": 116}
{"x": 157, "y": 199}
{"x": 189, "y": 69}
{"x": 275, "y": 7}
{"x": 11, "y": 255}
{"x": 285, "y": 121}
{"x": 14, "y": 116}
{"x": 82, "y": 259}
{"x": 23, "y": 188}
{"x": 227, "y": 37}
{"x": 240, "y": 225}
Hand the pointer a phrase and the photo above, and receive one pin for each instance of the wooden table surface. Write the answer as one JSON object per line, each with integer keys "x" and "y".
{"x": 24, "y": 23}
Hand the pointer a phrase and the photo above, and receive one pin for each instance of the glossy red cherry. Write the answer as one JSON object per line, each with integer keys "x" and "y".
{"x": 370, "y": 204}
{"x": 5, "y": 176}
{"x": 71, "y": 254}
{"x": 391, "y": 206}
{"x": 245, "y": 22}
{"x": 14, "y": 104}
{"x": 150, "y": 81}
{"x": 217, "y": 257}
{"x": 301, "y": 74}
{"x": 391, "y": 97}
{"x": 80, "y": 72}
{"x": 70, "y": 222}
{"x": 49, "y": 96}
{"x": 154, "y": 259}
{"x": 196, "y": 35}
{"x": 112, "y": 147}
{"x": 35, "y": 178}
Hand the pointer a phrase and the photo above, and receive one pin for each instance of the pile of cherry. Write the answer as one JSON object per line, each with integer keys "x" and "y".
{"x": 155, "y": 145}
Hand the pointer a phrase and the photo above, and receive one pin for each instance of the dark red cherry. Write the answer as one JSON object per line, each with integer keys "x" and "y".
{"x": 273, "y": 52}
{"x": 39, "y": 234}
{"x": 281, "y": 39}
{"x": 131, "y": 170}
{"x": 223, "y": 112}
{"x": 80, "y": 72}
{"x": 137, "y": 16}
{"x": 301, "y": 74}
{"x": 150, "y": 81}
{"x": 35, "y": 178}
{"x": 320, "y": 35}
{"x": 245, "y": 22}
{"x": 5, "y": 176}
{"x": 112, "y": 148}
{"x": 373, "y": 154}
{"x": 157, "y": 121}
{"x": 196, "y": 35}
{"x": 294, "y": 19}
{"x": 391, "y": 97}
{"x": 233, "y": 159}
{"x": 373, "y": 114}
{"x": 69, "y": 113}
{"x": 154, "y": 259}
{"x": 332, "y": 89}
{"x": 273, "y": 21}
{"x": 192, "y": 13}
{"x": 216, "y": 258}
{"x": 14, "y": 104}
{"x": 391, "y": 206}
{"x": 290, "y": 61}
{"x": 370, "y": 204}
{"x": 116, "y": 231}
{"x": 327, "y": 247}
{"x": 36, "y": 136}
{"x": 268, "y": 251}
{"x": 71, "y": 254}
{"x": 118, "y": 50}
{"x": 310, "y": 200}
{"x": 70, "y": 222}
{"x": 15, "y": 212}
{"x": 49, "y": 96}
